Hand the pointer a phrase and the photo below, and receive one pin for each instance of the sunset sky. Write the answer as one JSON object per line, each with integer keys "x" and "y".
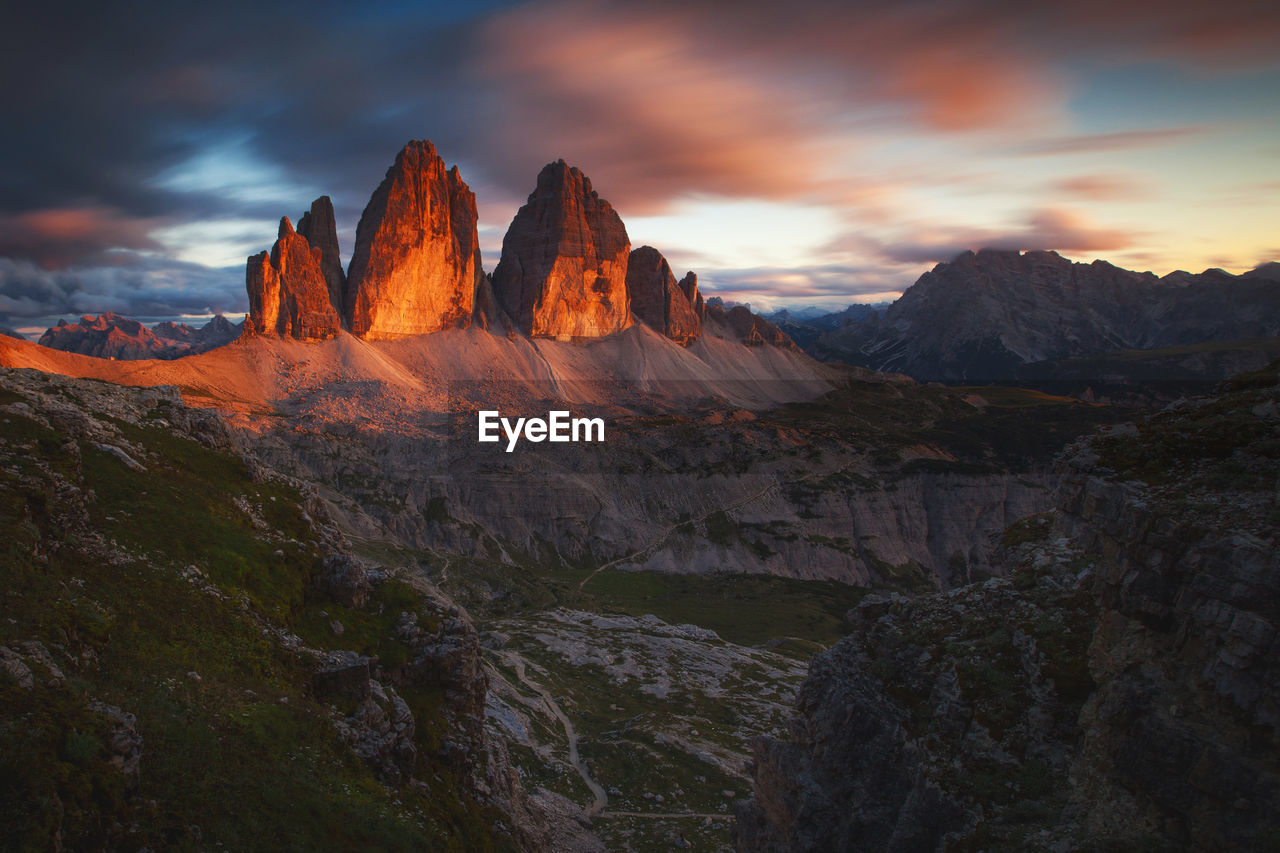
{"x": 791, "y": 153}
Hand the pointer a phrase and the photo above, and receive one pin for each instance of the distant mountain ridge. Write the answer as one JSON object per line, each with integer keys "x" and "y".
{"x": 806, "y": 326}
{"x": 113, "y": 336}
{"x": 984, "y": 315}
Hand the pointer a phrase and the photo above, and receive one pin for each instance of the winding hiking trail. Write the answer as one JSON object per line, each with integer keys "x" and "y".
{"x": 599, "y": 798}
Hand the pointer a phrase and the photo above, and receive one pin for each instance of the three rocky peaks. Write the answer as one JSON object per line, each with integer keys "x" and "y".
{"x": 567, "y": 268}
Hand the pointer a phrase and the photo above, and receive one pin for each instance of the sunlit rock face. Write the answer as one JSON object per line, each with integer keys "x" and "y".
{"x": 321, "y": 230}
{"x": 563, "y": 270}
{"x": 416, "y": 262}
{"x": 288, "y": 295}
{"x": 657, "y": 300}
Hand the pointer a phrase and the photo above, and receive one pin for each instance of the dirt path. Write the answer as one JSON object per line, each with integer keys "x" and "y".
{"x": 599, "y": 798}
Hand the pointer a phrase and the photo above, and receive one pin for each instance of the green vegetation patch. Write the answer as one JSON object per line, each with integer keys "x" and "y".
{"x": 236, "y": 753}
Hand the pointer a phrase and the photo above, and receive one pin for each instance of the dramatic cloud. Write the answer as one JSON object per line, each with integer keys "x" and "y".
{"x": 61, "y": 235}
{"x": 135, "y": 286}
{"x": 1046, "y": 228}
{"x": 154, "y": 125}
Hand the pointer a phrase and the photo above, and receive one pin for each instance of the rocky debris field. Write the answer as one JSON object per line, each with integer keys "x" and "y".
{"x": 646, "y": 721}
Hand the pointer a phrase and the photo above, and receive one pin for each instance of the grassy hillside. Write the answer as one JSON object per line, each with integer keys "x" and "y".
{"x": 152, "y": 578}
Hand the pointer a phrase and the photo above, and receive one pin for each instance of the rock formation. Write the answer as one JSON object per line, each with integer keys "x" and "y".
{"x": 416, "y": 262}
{"x": 321, "y": 230}
{"x": 658, "y": 301}
{"x": 740, "y": 324}
{"x": 1117, "y": 691}
{"x": 288, "y": 294}
{"x": 983, "y": 315}
{"x": 563, "y": 270}
{"x": 116, "y": 337}
{"x": 689, "y": 284}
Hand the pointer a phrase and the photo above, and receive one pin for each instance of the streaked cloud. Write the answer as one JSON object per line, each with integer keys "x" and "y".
{"x": 921, "y": 126}
{"x": 1103, "y": 187}
{"x": 1096, "y": 143}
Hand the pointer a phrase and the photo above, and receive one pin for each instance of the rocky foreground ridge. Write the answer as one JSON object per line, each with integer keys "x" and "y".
{"x": 984, "y": 315}
{"x": 1117, "y": 690}
{"x": 183, "y": 622}
{"x": 566, "y": 271}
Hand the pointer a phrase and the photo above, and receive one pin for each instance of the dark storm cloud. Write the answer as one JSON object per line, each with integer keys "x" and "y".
{"x": 103, "y": 101}
{"x": 134, "y": 285}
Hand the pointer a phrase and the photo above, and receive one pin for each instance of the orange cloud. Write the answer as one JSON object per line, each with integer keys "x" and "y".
{"x": 1102, "y": 187}
{"x": 674, "y": 100}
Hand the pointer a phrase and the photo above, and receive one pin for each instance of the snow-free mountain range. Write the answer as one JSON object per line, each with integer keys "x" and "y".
{"x": 285, "y": 568}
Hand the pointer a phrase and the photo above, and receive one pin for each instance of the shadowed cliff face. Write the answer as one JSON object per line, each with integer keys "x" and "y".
{"x": 321, "y": 231}
{"x": 658, "y": 301}
{"x": 1116, "y": 691}
{"x": 416, "y": 262}
{"x": 288, "y": 294}
{"x": 564, "y": 260}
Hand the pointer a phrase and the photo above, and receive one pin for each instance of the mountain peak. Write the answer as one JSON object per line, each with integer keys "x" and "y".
{"x": 416, "y": 262}
{"x": 320, "y": 228}
{"x": 287, "y": 290}
{"x": 564, "y": 260}
{"x": 657, "y": 300}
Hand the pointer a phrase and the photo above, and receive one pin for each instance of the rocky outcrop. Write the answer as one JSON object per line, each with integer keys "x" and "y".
{"x": 416, "y": 263}
{"x": 487, "y": 313}
{"x": 740, "y": 324}
{"x": 1120, "y": 690}
{"x": 563, "y": 271}
{"x": 113, "y": 336}
{"x": 658, "y": 301}
{"x": 288, "y": 294}
{"x": 1183, "y": 733}
{"x": 321, "y": 230}
{"x": 344, "y": 579}
{"x": 982, "y": 316}
{"x": 689, "y": 286}
{"x": 941, "y": 722}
